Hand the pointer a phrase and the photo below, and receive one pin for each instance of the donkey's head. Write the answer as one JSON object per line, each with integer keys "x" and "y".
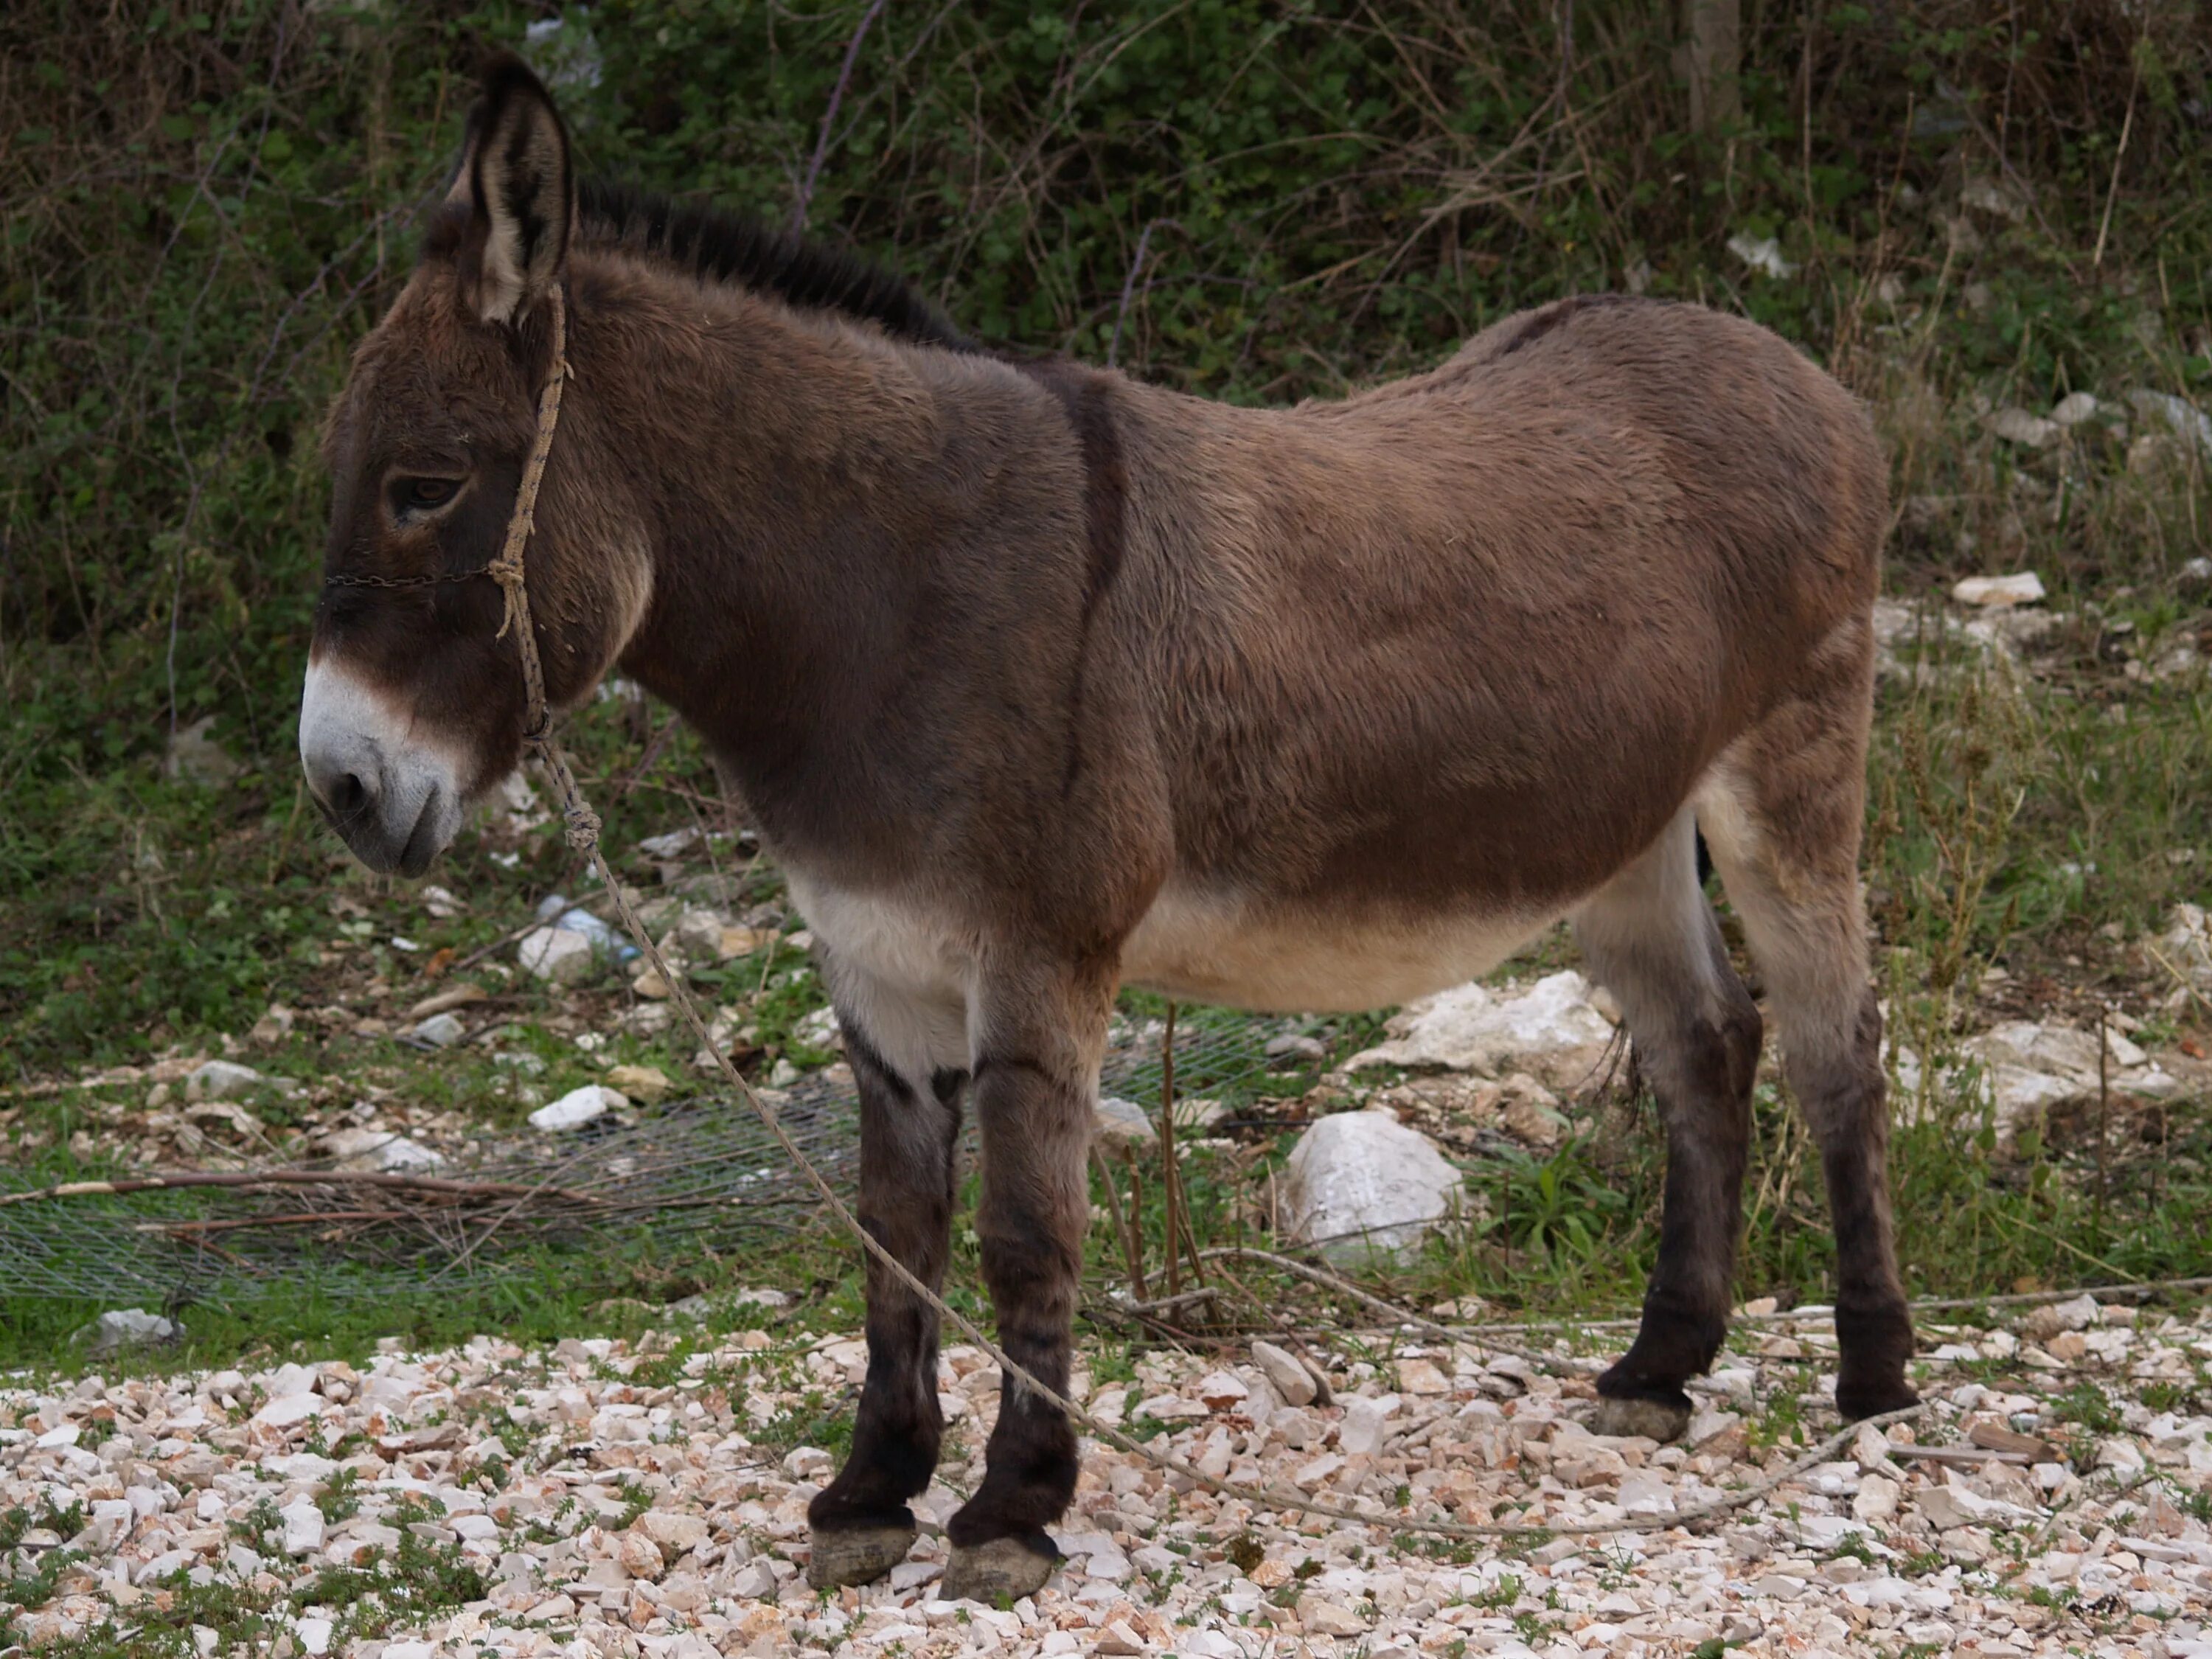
{"x": 414, "y": 704}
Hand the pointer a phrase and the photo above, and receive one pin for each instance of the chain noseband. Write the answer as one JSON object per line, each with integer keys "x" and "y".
{"x": 407, "y": 581}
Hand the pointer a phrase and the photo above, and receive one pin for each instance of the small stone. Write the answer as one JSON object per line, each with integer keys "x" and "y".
{"x": 221, "y": 1079}
{"x": 1119, "y": 1640}
{"x": 1870, "y": 1449}
{"x": 1116, "y": 1122}
{"x": 1422, "y": 1376}
{"x": 578, "y": 1106}
{"x": 2000, "y": 592}
{"x": 2181, "y": 418}
{"x": 313, "y": 1636}
{"x": 1292, "y": 1045}
{"x": 1532, "y": 1113}
{"x": 558, "y": 954}
{"x": 1290, "y": 1379}
{"x": 440, "y": 1031}
{"x": 1325, "y": 1618}
{"x": 556, "y": 1606}
{"x": 274, "y": 1025}
{"x": 2123, "y": 1456}
{"x": 742, "y": 941}
{"x": 1365, "y": 1425}
{"x": 1645, "y": 1494}
{"x": 379, "y": 1151}
{"x": 1223, "y": 1392}
{"x": 647, "y": 1083}
{"x": 2073, "y": 409}
{"x": 2068, "y": 1345}
{"x": 639, "y": 1556}
{"x": 754, "y": 1582}
{"x": 2042, "y": 1323}
{"x": 288, "y": 1409}
{"x": 1708, "y": 1424}
{"x": 675, "y": 1534}
{"x": 1313, "y": 1474}
{"x": 1198, "y": 1112}
{"x": 1876, "y": 1498}
{"x": 127, "y": 1328}
{"x": 303, "y": 1527}
{"x": 2017, "y": 426}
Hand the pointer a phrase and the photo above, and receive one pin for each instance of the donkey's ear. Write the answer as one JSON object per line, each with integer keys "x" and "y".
{"x": 516, "y": 183}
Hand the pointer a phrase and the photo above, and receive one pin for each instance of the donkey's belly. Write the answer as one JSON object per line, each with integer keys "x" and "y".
{"x": 1219, "y": 950}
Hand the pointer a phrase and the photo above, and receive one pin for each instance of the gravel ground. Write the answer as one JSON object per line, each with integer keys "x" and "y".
{"x": 604, "y": 1499}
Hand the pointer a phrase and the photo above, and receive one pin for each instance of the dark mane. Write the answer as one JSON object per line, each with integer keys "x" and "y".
{"x": 726, "y": 246}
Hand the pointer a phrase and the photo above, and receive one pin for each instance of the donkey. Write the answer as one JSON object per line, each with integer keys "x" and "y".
{"x": 1039, "y": 681}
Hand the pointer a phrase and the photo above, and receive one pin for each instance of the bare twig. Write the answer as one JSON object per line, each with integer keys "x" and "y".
{"x": 830, "y": 116}
{"x": 2112, "y": 190}
{"x": 1129, "y": 286}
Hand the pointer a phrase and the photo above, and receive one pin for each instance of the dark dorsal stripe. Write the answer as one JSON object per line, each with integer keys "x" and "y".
{"x": 1085, "y": 397}
{"x": 728, "y": 247}
{"x": 1541, "y": 323}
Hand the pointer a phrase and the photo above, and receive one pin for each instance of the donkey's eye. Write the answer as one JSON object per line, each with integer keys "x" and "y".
{"x": 412, "y": 495}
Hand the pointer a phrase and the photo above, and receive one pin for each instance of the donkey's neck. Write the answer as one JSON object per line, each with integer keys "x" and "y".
{"x": 815, "y": 498}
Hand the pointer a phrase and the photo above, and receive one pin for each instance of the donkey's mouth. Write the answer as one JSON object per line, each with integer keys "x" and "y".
{"x": 404, "y": 850}
{"x": 426, "y": 839}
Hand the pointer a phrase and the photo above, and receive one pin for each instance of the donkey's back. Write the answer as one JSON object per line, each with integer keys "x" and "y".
{"x": 1437, "y": 662}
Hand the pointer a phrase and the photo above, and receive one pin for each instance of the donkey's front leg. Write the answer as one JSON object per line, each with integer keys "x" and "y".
{"x": 861, "y": 1525}
{"x": 1039, "y": 1045}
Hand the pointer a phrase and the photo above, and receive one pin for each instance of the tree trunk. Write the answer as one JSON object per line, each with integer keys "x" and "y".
{"x": 1712, "y": 57}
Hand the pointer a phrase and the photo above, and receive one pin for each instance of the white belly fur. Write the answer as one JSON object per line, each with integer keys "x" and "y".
{"x": 1217, "y": 950}
{"x": 911, "y": 975}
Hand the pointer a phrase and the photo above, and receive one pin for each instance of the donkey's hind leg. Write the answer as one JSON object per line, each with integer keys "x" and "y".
{"x": 909, "y": 1121}
{"x": 1649, "y": 938}
{"x": 1783, "y": 811}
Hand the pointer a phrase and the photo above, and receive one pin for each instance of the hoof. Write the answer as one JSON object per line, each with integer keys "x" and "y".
{"x": 1856, "y": 1402}
{"x": 1003, "y": 1567}
{"x": 856, "y": 1555}
{"x": 1655, "y": 1420}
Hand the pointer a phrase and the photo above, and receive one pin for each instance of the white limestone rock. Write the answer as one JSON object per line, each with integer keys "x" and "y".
{"x": 1360, "y": 1182}
{"x": 1552, "y": 1029}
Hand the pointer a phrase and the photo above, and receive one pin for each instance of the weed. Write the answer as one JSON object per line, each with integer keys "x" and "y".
{"x": 2087, "y": 1405}
{"x": 339, "y": 1499}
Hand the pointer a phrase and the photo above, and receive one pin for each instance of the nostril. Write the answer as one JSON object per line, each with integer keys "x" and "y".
{"x": 348, "y": 794}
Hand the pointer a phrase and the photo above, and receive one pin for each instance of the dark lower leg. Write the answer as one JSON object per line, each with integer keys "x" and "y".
{"x": 1704, "y": 1091}
{"x": 1031, "y": 1220}
{"x": 1845, "y": 1101}
{"x": 906, "y": 1202}
{"x": 1030, "y": 1461}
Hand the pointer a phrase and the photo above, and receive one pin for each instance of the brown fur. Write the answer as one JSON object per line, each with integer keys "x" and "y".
{"x": 1034, "y": 677}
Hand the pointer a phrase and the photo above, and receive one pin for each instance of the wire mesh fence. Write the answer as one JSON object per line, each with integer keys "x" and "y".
{"x": 686, "y": 1186}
